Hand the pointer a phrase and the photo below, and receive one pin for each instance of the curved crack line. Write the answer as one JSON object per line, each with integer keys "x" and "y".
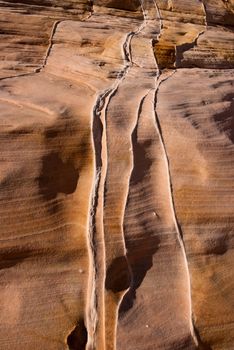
{"x": 18, "y": 76}
{"x": 48, "y": 51}
{"x": 194, "y": 331}
{"x": 49, "y": 47}
{"x": 158, "y": 81}
{"x": 181, "y": 49}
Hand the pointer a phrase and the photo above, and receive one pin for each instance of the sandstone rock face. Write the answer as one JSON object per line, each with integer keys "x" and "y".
{"x": 116, "y": 182}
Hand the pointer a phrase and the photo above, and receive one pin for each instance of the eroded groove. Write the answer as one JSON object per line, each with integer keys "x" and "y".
{"x": 102, "y": 102}
{"x": 91, "y": 319}
{"x": 99, "y": 115}
{"x": 110, "y": 282}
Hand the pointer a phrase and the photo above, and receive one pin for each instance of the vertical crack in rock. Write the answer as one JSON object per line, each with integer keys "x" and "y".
{"x": 98, "y": 127}
{"x": 127, "y": 44}
{"x": 92, "y": 304}
{"x": 158, "y": 81}
{"x": 179, "y": 55}
{"x": 130, "y": 63}
{"x": 172, "y": 202}
{"x": 100, "y": 107}
{"x": 133, "y": 169}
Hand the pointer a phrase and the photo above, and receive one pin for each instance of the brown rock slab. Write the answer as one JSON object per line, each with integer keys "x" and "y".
{"x": 116, "y": 176}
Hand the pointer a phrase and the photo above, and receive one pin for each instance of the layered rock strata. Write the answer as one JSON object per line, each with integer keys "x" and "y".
{"x": 116, "y": 180}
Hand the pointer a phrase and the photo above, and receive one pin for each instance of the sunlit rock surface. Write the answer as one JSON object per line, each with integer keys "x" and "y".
{"x": 116, "y": 175}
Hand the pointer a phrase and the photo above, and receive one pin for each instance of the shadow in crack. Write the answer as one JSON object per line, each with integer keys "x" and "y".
{"x": 77, "y": 339}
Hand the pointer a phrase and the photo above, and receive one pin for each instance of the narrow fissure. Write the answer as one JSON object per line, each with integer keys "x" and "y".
{"x": 48, "y": 51}
{"x": 53, "y": 31}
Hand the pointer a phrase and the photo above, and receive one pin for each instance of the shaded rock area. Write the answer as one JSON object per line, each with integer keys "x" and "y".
{"x": 116, "y": 175}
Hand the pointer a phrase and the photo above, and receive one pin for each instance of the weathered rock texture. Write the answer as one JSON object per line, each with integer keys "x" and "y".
{"x": 116, "y": 182}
